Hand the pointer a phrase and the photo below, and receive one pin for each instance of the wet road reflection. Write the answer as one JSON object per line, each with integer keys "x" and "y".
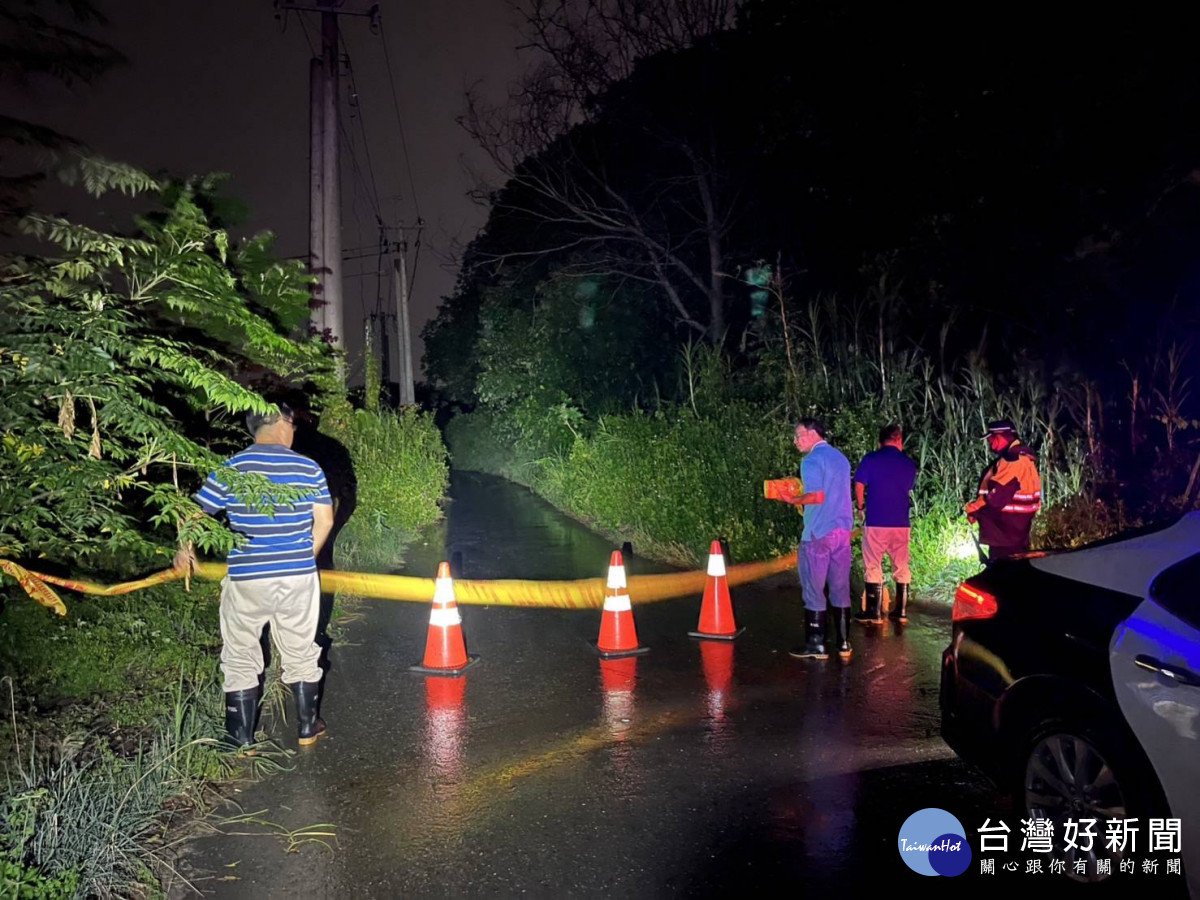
{"x": 716, "y": 658}
{"x": 703, "y": 768}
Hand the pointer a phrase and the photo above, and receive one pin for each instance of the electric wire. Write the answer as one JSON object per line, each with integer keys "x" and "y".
{"x": 362, "y": 125}
{"x": 412, "y": 184}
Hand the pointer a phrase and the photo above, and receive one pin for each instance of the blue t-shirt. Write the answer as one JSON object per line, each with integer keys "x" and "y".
{"x": 280, "y": 540}
{"x": 826, "y": 469}
{"x": 888, "y": 475}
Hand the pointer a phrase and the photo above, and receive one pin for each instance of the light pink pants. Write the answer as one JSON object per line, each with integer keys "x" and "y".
{"x": 891, "y": 541}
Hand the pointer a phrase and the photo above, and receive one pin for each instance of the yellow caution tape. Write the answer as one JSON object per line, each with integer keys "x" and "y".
{"x": 34, "y": 586}
{"x": 586, "y": 593}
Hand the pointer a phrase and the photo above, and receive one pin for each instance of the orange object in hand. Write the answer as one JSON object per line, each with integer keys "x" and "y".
{"x": 784, "y": 489}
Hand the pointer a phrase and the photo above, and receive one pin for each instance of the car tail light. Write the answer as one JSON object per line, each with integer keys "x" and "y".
{"x": 973, "y": 603}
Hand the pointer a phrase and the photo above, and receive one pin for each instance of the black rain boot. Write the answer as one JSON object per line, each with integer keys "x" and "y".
{"x": 308, "y": 703}
{"x": 841, "y": 629}
{"x": 873, "y": 614}
{"x": 814, "y": 637}
{"x": 900, "y": 605}
{"x": 241, "y": 713}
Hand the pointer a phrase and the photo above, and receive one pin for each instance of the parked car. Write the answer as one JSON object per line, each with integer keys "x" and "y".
{"x": 1073, "y": 680}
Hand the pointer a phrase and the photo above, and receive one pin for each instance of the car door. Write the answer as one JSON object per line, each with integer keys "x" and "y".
{"x": 1155, "y": 660}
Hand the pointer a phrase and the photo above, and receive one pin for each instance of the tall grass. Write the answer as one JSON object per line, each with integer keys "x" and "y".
{"x": 401, "y": 468}
{"x": 85, "y": 822}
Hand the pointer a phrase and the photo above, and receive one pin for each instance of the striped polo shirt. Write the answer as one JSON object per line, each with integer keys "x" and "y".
{"x": 280, "y": 540}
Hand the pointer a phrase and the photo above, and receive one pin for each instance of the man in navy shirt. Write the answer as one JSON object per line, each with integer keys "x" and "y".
{"x": 272, "y": 575}
{"x": 886, "y": 478}
{"x": 824, "y": 553}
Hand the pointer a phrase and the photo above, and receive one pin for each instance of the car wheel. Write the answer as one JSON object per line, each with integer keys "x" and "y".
{"x": 1071, "y": 771}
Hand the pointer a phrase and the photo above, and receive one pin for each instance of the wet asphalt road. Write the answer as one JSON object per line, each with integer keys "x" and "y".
{"x": 701, "y": 769}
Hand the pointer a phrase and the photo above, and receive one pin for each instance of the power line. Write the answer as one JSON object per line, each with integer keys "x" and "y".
{"x": 312, "y": 48}
{"x": 412, "y": 184}
{"x": 356, "y": 103}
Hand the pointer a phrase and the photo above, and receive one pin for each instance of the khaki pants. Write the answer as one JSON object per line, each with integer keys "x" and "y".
{"x": 893, "y": 542}
{"x": 291, "y": 603}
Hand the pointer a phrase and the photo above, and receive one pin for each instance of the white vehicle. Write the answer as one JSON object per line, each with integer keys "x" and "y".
{"x": 1155, "y": 657}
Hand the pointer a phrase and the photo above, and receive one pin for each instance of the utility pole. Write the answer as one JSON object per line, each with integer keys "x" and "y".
{"x": 335, "y": 314}
{"x": 325, "y": 200}
{"x": 404, "y": 366}
{"x": 316, "y": 192}
{"x": 328, "y": 315}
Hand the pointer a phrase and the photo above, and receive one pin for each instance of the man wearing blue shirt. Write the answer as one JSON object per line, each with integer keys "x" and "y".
{"x": 883, "y": 484}
{"x": 824, "y": 553}
{"x": 272, "y": 575}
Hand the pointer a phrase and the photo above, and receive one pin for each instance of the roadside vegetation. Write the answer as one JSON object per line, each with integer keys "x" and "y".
{"x": 401, "y": 472}
{"x": 127, "y": 363}
{"x": 675, "y": 469}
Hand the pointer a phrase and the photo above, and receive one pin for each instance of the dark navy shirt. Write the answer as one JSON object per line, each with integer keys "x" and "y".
{"x": 889, "y": 476}
{"x": 280, "y": 537}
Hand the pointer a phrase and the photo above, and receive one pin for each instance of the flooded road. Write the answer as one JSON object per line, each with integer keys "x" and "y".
{"x": 702, "y": 768}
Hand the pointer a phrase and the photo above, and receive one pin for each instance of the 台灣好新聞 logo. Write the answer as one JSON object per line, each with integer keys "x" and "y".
{"x": 933, "y": 842}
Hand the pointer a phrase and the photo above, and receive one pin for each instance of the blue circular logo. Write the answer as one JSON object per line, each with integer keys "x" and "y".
{"x": 933, "y": 842}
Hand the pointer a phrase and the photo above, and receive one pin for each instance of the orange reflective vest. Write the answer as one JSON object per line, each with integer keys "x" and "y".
{"x": 1012, "y": 491}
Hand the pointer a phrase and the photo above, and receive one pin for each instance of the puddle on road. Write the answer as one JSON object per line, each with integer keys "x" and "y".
{"x": 496, "y": 529}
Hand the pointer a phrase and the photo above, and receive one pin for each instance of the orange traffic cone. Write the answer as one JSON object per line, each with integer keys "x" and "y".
{"x": 618, "y": 637}
{"x": 445, "y": 651}
{"x": 716, "y": 611}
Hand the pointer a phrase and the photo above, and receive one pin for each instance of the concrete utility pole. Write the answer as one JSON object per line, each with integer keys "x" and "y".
{"x": 325, "y": 200}
{"x": 404, "y": 364}
{"x": 316, "y": 191}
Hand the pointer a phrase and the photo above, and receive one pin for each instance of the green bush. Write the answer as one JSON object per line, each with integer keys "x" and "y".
{"x": 125, "y": 652}
{"x": 110, "y": 346}
{"x": 673, "y": 481}
{"x": 400, "y": 465}
{"x": 670, "y": 482}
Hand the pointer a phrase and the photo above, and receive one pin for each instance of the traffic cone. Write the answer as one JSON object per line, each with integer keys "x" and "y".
{"x": 618, "y": 637}
{"x": 716, "y": 611}
{"x": 445, "y": 651}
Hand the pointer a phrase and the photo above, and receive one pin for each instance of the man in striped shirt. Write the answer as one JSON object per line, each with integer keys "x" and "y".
{"x": 272, "y": 575}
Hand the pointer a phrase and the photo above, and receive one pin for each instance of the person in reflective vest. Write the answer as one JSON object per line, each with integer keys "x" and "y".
{"x": 1010, "y": 494}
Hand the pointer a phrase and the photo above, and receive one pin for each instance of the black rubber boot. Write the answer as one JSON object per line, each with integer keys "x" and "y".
{"x": 814, "y": 637}
{"x": 308, "y": 705}
{"x": 873, "y": 614}
{"x": 241, "y": 715}
{"x": 841, "y": 630}
{"x": 900, "y": 605}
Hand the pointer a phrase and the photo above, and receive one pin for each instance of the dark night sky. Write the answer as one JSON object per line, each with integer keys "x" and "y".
{"x": 216, "y": 86}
